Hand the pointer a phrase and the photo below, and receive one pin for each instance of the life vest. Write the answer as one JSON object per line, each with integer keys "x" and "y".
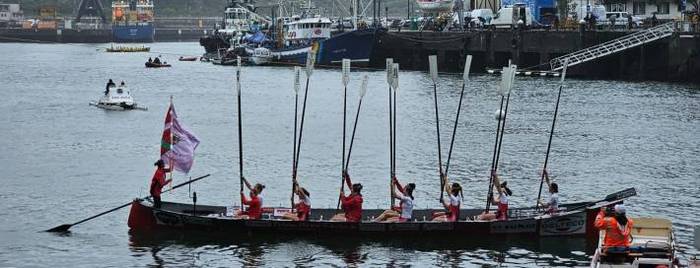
{"x": 616, "y": 235}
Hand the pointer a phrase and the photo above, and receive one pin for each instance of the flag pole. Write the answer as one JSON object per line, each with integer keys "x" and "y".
{"x": 170, "y": 160}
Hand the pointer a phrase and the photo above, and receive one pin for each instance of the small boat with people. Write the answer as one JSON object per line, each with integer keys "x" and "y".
{"x": 117, "y": 98}
{"x": 156, "y": 63}
{"x": 651, "y": 244}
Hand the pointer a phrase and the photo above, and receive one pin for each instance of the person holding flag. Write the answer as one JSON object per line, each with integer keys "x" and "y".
{"x": 158, "y": 182}
{"x": 176, "y": 152}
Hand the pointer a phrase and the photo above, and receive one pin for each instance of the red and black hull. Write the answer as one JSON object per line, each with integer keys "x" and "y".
{"x": 212, "y": 219}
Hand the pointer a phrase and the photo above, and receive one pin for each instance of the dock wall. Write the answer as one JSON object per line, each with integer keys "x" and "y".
{"x": 675, "y": 58}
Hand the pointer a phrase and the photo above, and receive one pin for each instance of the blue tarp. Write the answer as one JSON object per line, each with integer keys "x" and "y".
{"x": 257, "y": 38}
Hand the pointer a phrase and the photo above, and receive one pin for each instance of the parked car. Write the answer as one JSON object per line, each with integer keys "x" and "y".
{"x": 505, "y": 16}
{"x": 481, "y": 17}
{"x": 621, "y": 19}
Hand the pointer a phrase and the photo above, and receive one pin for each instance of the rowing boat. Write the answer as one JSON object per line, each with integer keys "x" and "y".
{"x": 575, "y": 219}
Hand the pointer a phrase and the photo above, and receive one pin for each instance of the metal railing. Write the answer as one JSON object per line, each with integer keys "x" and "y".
{"x": 614, "y": 46}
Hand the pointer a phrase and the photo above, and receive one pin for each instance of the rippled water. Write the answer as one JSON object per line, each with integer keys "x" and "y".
{"x": 63, "y": 160}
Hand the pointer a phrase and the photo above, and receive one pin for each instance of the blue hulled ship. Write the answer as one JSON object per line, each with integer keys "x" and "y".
{"x": 303, "y": 34}
{"x": 132, "y": 21}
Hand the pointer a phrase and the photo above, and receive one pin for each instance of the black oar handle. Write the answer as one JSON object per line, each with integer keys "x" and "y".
{"x": 122, "y": 206}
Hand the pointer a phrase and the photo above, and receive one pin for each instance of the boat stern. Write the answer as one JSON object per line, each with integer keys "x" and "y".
{"x": 141, "y": 216}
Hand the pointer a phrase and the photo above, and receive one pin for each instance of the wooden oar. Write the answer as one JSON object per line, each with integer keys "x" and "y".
{"x": 310, "y": 61}
{"x": 626, "y": 193}
{"x": 297, "y": 73}
{"x": 551, "y": 131}
{"x": 395, "y": 85}
{"x": 65, "y": 227}
{"x": 389, "y": 77}
{"x": 506, "y": 86}
{"x": 363, "y": 90}
{"x": 465, "y": 79}
{"x": 346, "y": 80}
{"x": 432, "y": 62}
{"x": 240, "y": 131}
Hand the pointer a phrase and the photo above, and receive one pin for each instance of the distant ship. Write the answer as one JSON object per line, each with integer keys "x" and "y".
{"x": 132, "y": 21}
{"x": 429, "y": 6}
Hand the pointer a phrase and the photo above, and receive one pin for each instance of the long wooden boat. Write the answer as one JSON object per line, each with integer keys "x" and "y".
{"x": 576, "y": 219}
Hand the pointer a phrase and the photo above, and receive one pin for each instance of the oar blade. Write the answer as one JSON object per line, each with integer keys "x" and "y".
{"x": 363, "y": 88}
{"x": 297, "y": 74}
{"x": 346, "y": 71}
{"x": 432, "y": 62}
{"x": 389, "y": 70}
{"x": 395, "y": 76}
{"x": 467, "y": 68}
{"x": 60, "y": 229}
{"x": 238, "y": 75}
{"x": 310, "y": 61}
{"x": 563, "y": 70}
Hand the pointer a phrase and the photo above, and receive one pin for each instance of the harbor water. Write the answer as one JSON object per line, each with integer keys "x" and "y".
{"x": 63, "y": 160}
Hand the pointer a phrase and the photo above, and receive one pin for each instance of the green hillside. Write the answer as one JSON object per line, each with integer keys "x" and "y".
{"x": 192, "y": 8}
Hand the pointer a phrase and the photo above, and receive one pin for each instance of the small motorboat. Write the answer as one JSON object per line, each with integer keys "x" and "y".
{"x": 653, "y": 245}
{"x": 261, "y": 56}
{"x": 157, "y": 65}
{"x": 117, "y": 98}
{"x": 187, "y": 58}
{"x": 224, "y": 61}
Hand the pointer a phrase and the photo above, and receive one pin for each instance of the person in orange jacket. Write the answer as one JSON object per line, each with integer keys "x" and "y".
{"x": 617, "y": 227}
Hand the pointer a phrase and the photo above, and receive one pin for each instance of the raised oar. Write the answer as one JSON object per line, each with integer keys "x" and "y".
{"x": 65, "y": 227}
{"x": 363, "y": 90}
{"x": 240, "y": 130}
{"x": 465, "y": 79}
{"x": 346, "y": 80}
{"x": 551, "y": 131}
{"x": 389, "y": 77}
{"x": 506, "y": 86}
{"x": 432, "y": 60}
{"x": 310, "y": 61}
{"x": 395, "y": 85}
{"x": 297, "y": 73}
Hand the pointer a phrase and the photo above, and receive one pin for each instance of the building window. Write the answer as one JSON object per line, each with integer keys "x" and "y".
{"x": 618, "y": 7}
{"x": 639, "y": 8}
{"x": 662, "y": 8}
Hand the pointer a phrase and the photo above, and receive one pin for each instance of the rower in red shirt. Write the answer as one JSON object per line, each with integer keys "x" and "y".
{"x": 352, "y": 204}
{"x": 303, "y": 208}
{"x": 255, "y": 203}
{"x": 158, "y": 182}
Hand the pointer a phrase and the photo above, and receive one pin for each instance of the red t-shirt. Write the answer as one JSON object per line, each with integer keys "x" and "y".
{"x": 254, "y": 211}
{"x": 157, "y": 182}
{"x": 352, "y": 206}
{"x": 303, "y": 211}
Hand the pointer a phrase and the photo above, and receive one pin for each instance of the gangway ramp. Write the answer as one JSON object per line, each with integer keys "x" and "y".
{"x": 614, "y": 46}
